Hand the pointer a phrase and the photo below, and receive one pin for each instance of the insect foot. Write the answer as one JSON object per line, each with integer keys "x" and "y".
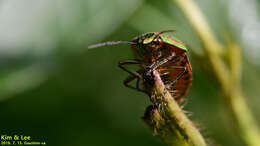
{"x": 148, "y": 75}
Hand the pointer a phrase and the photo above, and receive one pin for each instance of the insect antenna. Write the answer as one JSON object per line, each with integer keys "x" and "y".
{"x": 167, "y": 31}
{"x": 110, "y": 43}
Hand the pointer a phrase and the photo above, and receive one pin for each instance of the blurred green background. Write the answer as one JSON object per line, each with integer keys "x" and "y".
{"x": 56, "y": 90}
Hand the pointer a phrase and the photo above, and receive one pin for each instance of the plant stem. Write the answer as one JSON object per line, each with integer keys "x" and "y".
{"x": 242, "y": 117}
{"x": 174, "y": 117}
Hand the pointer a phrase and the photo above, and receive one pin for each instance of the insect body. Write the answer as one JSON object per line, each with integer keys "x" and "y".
{"x": 163, "y": 52}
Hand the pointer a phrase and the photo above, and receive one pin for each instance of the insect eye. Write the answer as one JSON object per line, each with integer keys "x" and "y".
{"x": 159, "y": 41}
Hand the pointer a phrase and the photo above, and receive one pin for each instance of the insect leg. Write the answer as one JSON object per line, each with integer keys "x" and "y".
{"x": 134, "y": 75}
{"x": 179, "y": 76}
{"x": 148, "y": 71}
{"x": 176, "y": 79}
{"x": 122, "y": 64}
{"x": 131, "y": 78}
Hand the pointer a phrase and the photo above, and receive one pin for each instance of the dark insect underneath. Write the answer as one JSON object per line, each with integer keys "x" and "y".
{"x": 161, "y": 51}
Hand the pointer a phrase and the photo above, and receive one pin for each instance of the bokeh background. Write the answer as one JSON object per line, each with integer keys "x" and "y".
{"x": 56, "y": 90}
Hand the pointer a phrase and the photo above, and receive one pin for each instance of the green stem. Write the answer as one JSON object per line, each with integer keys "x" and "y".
{"x": 242, "y": 117}
{"x": 174, "y": 117}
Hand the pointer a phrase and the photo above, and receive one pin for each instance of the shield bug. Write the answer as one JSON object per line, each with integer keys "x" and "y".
{"x": 161, "y": 51}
